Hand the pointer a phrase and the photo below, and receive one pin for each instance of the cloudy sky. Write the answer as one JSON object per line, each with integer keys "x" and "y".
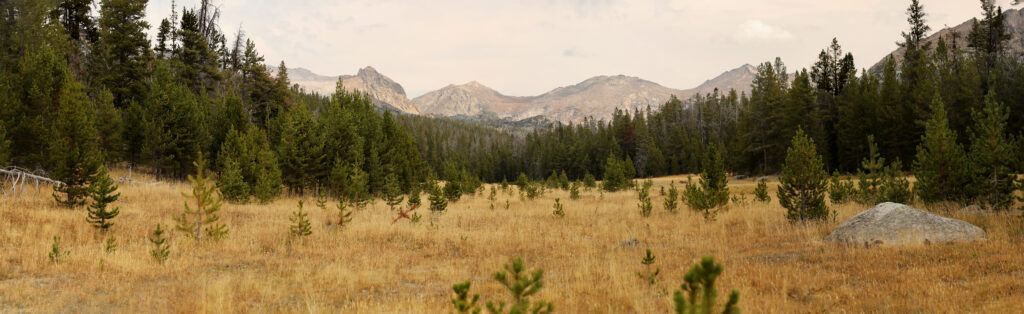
{"x": 528, "y": 47}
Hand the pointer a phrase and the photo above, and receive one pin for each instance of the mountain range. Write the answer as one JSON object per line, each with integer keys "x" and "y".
{"x": 595, "y": 97}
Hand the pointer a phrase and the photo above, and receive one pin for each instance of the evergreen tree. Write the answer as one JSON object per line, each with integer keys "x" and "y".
{"x": 74, "y": 153}
{"x": 438, "y": 203}
{"x": 231, "y": 183}
{"x": 589, "y": 181}
{"x": 700, "y": 292}
{"x": 392, "y": 192}
{"x": 206, "y": 207}
{"x": 802, "y": 183}
{"x": 941, "y": 166}
{"x": 992, "y": 156}
{"x": 521, "y": 286}
{"x": 5, "y": 146}
{"x": 121, "y": 54}
{"x": 108, "y": 126}
{"x": 672, "y": 198}
{"x": 462, "y": 302}
{"x": 559, "y": 209}
{"x": 650, "y": 276}
{"x": 344, "y": 214}
{"x": 761, "y": 192}
{"x": 300, "y": 223}
{"x": 614, "y": 175}
{"x": 574, "y": 190}
{"x": 840, "y": 191}
{"x": 414, "y": 195}
{"x": 301, "y": 150}
{"x": 102, "y": 194}
{"x": 161, "y": 249}
{"x": 989, "y": 37}
{"x": 268, "y": 183}
{"x": 644, "y": 196}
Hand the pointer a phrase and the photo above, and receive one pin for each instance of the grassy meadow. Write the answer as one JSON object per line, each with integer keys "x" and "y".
{"x": 376, "y": 266}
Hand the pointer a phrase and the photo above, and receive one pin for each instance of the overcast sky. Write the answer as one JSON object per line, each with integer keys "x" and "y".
{"x": 528, "y": 47}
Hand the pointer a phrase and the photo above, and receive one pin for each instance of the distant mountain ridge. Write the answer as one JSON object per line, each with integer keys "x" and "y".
{"x": 595, "y": 97}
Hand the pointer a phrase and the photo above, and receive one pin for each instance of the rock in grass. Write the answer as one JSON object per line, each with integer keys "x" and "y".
{"x": 894, "y": 224}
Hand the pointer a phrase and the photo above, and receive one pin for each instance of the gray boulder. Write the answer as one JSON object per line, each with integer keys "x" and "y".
{"x": 894, "y": 224}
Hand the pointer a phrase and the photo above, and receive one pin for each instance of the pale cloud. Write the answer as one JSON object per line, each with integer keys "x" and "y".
{"x": 758, "y": 31}
{"x": 528, "y": 47}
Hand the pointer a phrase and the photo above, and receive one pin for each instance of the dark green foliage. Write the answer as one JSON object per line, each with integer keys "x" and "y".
{"x": 559, "y": 209}
{"x": 941, "y": 165}
{"x": 644, "y": 196}
{"x": 802, "y": 183}
{"x": 73, "y": 150}
{"x": 110, "y": 246}
{"x": 392, "y": 191}
{"x": 647, "y": 275}
{"x": 438, "y": 202}
{"x": 102, "y": 194}
{"x": 344, "y": 214}
{"x": 574, "y": 190}
{"x": 414, "y": 195}
{"x": 615, "y": 177}
{"x": 521, "y": 286}
{"x": 992, "y": 156}
{"x": 589, "y": 182}
{"x": 231, "y": 183}
{"x": 761, "y": 192}
{"x": 563, "y": 181}
{"x": 697, "y": 295}
{"x": 452, "y": 191}
{"x": 161, "y": 249}
{"x": 895, "y": 186}
{"x": 5, "y": 146}
{"x": 879, "y": 182}
{"x": 493, "y": 195}
{"x": 57, "y": 254}
{"x": 204, "y": 209}
{"x": 300, "y": 223}
{"x": 268, "y": 182}
{"x": 840, "y": 191}
{"x": 672, "y": 198}
{"x": 463, "y": 303}
{"x": 120, "y": 56}
{"x": 301, "y": 151}
{"x": 712, "y": 192}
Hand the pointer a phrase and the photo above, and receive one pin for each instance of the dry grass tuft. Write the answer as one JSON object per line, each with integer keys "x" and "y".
{"x": 375, "y": 266}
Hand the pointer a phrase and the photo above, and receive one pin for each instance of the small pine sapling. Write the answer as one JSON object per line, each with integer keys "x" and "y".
{"x": 415, "y": 218}
{"x": 739, "y": 199}
{"x": 438, "y": 202}
{"x": 559, "y": 209}
{"x": 57, "y": 254}
{"x": 110, "y": 246}
{"x": 521, "y": 286}
{"x": 321, "y": 199}
{"x": 414, "y": 195}
{"x": 206, "y": 207}
{"x": 102, "y": 194}
{"x": 644, "y": 196}
{"x": 840, "y": 191}
{"x": 494, "y": 194}
{"x": 300, "y": 223}
{"x": 650, "y": 276}
{"x": 589, "y": 181}
{"x": 574, "y": 190}
{"x": 507, "y": 204}
{"x": 392, "y": 191}
{"x": 672, "y": 198}
{"x": 761, "y": 192}
{"x": 803, "y": 181}
{"x": 161, "y": 249}
{"x": 344, "y": 214}
{"x": 699, "y": 289}
{"x": 463, "y": 303}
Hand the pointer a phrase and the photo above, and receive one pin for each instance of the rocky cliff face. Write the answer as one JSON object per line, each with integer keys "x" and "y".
{"x": 382, "y": 90}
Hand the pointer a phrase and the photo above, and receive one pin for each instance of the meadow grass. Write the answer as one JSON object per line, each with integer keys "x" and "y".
{"x": 375, "y": 266}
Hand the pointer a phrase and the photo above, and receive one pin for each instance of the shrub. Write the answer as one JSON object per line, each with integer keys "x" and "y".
{"x": 700, "y": 292}
{"x": 803, "y": 181}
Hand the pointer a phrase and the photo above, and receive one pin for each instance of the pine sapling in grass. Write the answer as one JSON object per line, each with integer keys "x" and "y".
{"x": 414, "y": 195}
{"x": 463, "y": 303}
{"x": 57, "y": 254}
{"x": 321, "y": 199}
{"x": 494, "y": 194}
{"x": 644, "y": 196}
{"x": 650, "y": 276}
{"x": 672, "y": 198}
{"x": 697, "y": 294}
{"x": 840, "y": 191}
{"x": 102, "y": 194}
{"x": 574, "y": 190}
{"x": 559, "y": 209}
{"x": 300, "y": 224}
{"x": 206, "y": 207}
{"x": 521, "y": 286}
{"x": 392, "y": 191}
{"x": 344, "y": 214}
{"x": 507, "y": 204}
{"x": 761, "y": 192}
{"x": 110, "y": 246}
{"x": 161, "y": 249}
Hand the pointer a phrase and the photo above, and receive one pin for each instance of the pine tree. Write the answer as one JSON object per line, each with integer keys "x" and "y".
{"x": 110, "y": 246}
{"x": 300, "y": 223}
{"x": 992, "y": 156}
{"x": 392, "y": 191}
{"x": 268, "y": 183}
{"x": 614, "y": 175}
{"x": 438, "y": 202}
{"x": 414, "y": 195}
{"x": 301, "y": 150}
{"x": 761, "y": 192}
{"x": 672, "y": 198}
{"x": 802, "y": 183}
{"x": 206, "y": 207}
{"x": 5, "y": 146}
{"x": 870, "y": 175}
{"x": 574, "y": 190}
{"x": 840, "y": 191}
{"x": 74, "y": 153}
{"x": 521, "y": 286}
{"x": 644, "y": 196}
{"x": 121, "y": 54}
{"x": 712, "y": 178}
{"x": 559, "y": 209}
{"x": 102, "y": 194}
{"x": 57, "y": 254}
{"x": 344, "y": 214}
{"x": 700, "y": 292}
{"x": 463, "y": 303}
{"x": 161, "y": 249}
{"x": 589, "y": 181}
{"x": 231, "y": 183}
{"x": 941, "y": 165}
{"x": 647, "y": 275}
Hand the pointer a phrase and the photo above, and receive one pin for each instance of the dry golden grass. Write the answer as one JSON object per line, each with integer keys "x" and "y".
{"x": 374, "y": 266}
